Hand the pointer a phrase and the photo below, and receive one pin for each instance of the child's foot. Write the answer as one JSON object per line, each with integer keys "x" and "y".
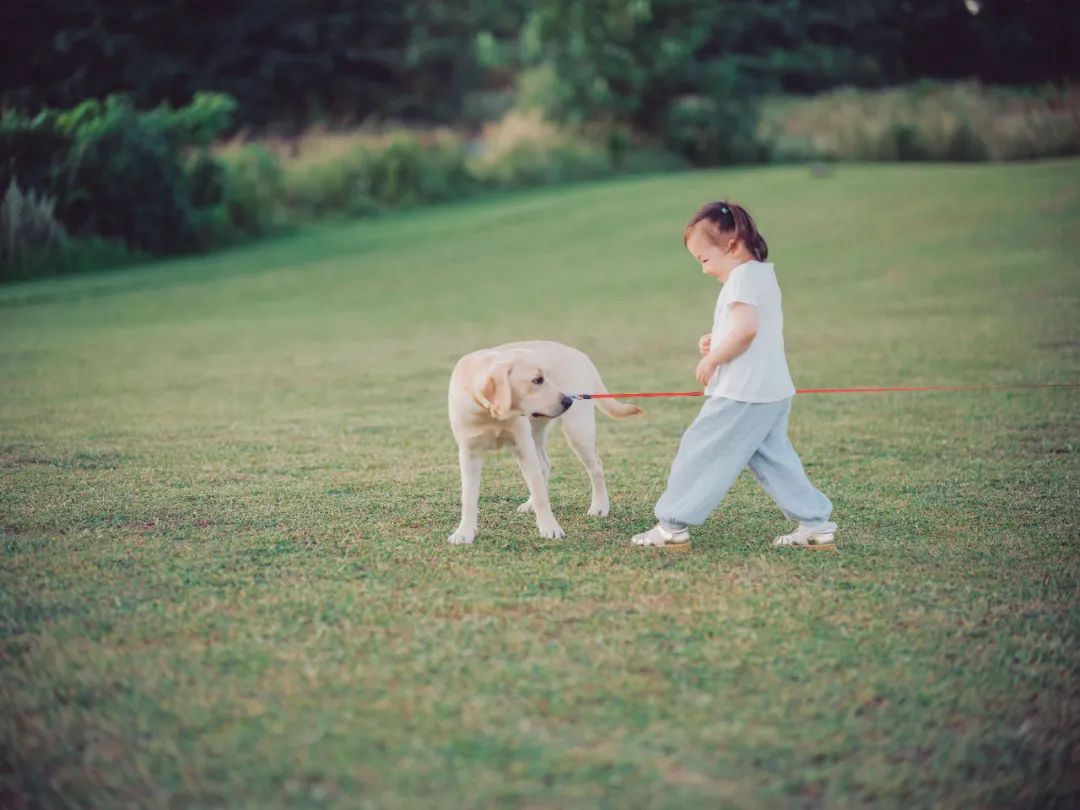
{"x": 819, "y": 539}
{"x": 660, "y": 537}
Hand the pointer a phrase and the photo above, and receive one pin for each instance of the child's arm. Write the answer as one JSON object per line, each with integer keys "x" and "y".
{"x": 735, "y": 342}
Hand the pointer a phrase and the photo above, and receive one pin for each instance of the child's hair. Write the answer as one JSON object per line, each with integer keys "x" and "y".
{"x": 724, "y": 219}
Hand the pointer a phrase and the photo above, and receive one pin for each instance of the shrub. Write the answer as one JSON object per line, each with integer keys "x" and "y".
{"x": 142, "y": 178}
{"x": 404, "y": 171}
{"x": 444, "y": 172}
{"x": 481, "y": 106}
{"x": 34, "y": 244}
{"x": 341, "y": 185}
{"x": 541, "y": 90}
{"x": 33, "y": 152}
{"x": 524, "y": 149}
{"x": 130, "y": 176}
{"x": 964, "y": 144}
{"x": 395, "y": 171}
{"x": 962, "y": 121}
{"x": 358, "y": 174}
{"x": 252, "y": 190}
{"x": 77, "y": 255}
{"x": 905, "y": 143}
{"x": 707, "y": 131}
{"x": 643, "y": 159}
{"x": 28, "y": 226}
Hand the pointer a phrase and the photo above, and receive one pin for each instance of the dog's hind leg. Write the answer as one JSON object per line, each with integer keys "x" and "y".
{"x": 539, "y": 429}
{"x": 579, "y": 428}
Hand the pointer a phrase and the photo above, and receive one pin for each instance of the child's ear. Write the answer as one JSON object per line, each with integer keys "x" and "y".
{"x": 494, "y": 390}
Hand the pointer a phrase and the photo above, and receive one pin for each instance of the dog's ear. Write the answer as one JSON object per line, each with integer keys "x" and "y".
{"x": 494, "y": 390}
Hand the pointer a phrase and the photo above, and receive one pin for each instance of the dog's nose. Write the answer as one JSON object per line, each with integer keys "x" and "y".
{"x": 567, "y": 402}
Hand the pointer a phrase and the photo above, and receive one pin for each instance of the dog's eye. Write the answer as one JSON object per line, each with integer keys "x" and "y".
{"x": 539, "y": 380}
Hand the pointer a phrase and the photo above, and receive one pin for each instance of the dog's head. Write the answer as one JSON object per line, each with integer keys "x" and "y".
{"x": 506, "y": 388}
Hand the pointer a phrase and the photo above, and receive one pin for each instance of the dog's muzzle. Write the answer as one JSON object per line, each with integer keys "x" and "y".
{"x": 566, "y": 402}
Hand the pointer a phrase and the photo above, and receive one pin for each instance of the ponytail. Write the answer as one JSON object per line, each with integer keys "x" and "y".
{"x": 723, "y": 220}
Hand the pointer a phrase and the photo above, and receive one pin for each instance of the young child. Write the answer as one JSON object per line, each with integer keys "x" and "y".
{"x": 744, "y": 420}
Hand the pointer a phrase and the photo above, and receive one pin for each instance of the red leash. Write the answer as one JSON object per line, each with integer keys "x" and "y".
{"x": 866, "y": 390}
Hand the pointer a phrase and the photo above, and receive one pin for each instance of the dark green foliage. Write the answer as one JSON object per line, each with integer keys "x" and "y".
{"x": 335, "y": 187}
{"x": 138, "y": 177}
{"x": 692, "y": 71}
{"x": 74, "y": 256}
{"x": 406, "y": 173}
{"x": 707, "y": 131}
{"x": 290, "y": 63}
{"x": 252, "y": 190}
{"x": 145, "y": 179}
{"x": 905, "y": 139}
{"x": 534, "y": 164}
{"x": 287, "y": 62}
{"x": 34, "y": 244}
{"x": 129, "y": 179}
{"x": 30, "y": 147}
{"x": 966, "y": 145}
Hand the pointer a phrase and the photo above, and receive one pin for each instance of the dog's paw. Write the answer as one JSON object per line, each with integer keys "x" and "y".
{"x": 552, "y": 532}
{"x": 599, "y": 509}
{"x": 526, "y": 507}
{"x": 461, "y": 537}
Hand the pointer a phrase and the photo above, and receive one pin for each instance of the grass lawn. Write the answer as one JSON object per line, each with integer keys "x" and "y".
{"x": 226, "y": 485}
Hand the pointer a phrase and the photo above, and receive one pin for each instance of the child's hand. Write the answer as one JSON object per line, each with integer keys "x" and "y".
{"x": 705, "y": 344}
{"x": 705, "y": 369}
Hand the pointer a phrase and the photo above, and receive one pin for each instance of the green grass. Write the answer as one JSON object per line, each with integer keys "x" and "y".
{"x": 227, "y": 484}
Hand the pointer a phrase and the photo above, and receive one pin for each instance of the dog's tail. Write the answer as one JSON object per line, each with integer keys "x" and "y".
{"x": 619, "y": 410}
{"x": 613, "y": 407}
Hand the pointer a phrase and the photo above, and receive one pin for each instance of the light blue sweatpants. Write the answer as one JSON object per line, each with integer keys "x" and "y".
{"x": 726, "y": 437}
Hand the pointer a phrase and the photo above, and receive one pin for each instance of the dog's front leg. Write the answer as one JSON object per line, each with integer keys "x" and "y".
{"x": 471, "y": 464}
{"x": 529, "y": 461}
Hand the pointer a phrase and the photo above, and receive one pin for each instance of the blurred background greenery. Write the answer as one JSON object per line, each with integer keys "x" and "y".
{"x": 134, "y": 127}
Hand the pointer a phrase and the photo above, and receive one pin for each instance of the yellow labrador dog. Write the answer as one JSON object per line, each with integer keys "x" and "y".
{"x": 509, "y": 396}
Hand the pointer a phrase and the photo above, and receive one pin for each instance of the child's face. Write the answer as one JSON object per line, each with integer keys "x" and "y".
{"x": 716, "y": 260}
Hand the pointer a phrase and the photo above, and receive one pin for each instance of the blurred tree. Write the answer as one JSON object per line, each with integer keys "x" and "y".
{"x": 620, "y": 56}
{"x": 690, "y": 70}
{"x": 997, "y": 41}
{"x": 284, "y": 60}
{"x": 294, "y": 61}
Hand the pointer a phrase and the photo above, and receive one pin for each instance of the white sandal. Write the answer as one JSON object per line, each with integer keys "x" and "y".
{"x": 659, "y": 537}
{"x": 822, "y": 538}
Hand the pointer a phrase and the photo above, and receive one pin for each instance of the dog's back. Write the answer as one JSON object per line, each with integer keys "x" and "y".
{"x": 572, "y": 371}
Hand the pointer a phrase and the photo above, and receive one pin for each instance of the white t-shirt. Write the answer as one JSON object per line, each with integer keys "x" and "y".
{"x": 759, "y": 374}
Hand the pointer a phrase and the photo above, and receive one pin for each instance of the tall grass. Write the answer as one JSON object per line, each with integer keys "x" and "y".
{"x": 367, "y": 169}
{"x": 357, "y": 172}
{"x": 964, "y": 121}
